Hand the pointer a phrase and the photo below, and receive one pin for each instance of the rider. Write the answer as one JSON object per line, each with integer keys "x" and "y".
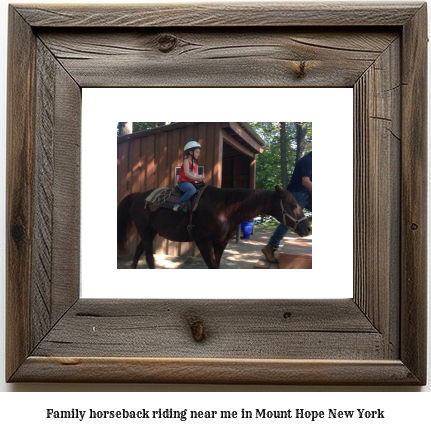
{"x": 189, "y": 172}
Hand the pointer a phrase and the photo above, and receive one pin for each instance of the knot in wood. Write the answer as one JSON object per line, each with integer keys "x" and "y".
{"x": 414, "y": 226}
{"x": 167, "y": 42}
{"x": 197, "y": 327}
{"x": 300, "y": 69}
{"x": 18, "y": 233}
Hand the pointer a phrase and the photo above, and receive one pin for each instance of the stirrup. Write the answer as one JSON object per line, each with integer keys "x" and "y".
{"x": 190, "y": 229}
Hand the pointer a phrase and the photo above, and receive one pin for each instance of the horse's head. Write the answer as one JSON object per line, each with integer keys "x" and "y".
{"x": 288, "y": 212}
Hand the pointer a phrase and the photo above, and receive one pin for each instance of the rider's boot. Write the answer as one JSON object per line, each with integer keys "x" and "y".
{"x": 268, "y": 252}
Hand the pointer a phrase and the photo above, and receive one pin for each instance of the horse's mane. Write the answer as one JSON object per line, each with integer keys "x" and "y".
{"x": 227, "y": 197}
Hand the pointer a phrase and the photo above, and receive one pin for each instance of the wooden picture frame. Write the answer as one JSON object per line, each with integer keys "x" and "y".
{"x": 378, "y": 337}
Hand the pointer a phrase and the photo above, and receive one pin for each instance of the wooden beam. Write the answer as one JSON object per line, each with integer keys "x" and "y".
{"x": 218, "y": 157}
{"x": 229, "y": 140}
{"x": 246, "y": 137}
{"x": 253, "y": 173}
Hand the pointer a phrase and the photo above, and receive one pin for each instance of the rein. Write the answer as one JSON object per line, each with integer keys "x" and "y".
{"x": 284, "y": 212}
{"x": 190, "y": 227}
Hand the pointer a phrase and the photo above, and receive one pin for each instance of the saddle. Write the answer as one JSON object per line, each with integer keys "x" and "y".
{"x": 164, "y": 197}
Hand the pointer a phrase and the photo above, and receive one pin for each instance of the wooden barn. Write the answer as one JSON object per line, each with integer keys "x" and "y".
{"x": 146, "y": 160}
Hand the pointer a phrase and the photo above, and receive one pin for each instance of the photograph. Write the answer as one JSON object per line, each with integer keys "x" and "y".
{"x": 214, "y": 195}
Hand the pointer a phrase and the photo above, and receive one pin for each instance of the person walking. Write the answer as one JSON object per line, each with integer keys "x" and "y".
{"x": 300, "y": 186}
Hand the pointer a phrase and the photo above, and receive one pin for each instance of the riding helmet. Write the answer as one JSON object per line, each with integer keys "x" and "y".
{"x": 192, "y": 145}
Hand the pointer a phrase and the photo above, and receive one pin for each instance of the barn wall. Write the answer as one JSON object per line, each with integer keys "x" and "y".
{"x": 236, "y": 172}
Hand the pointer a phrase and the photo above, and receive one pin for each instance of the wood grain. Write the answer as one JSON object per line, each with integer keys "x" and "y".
{"x": 225, "y": 15}
{"x": 414, "y": 195}
{"x": 215, "y": 371}
{"x": 57, "y": 193}
{"x": 20, "y": 195}
{"x": 221, "y": 58}
{"x": 160, "y": 329}
{"x": 67, "y": 194}
{"x": 376, "y": 181}
{"x": 43, "y": 193}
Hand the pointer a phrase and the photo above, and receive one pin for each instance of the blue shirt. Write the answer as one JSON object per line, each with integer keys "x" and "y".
{"x": 303, "y": 168}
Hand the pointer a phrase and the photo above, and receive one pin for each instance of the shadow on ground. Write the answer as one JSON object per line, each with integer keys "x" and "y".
{"x": 241, "y": 255}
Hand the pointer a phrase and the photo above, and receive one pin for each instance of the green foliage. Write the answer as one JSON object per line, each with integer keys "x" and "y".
{"x": 139, "y": 126}
{"x": 265, "y": 222}
{"x": 268, "y": 163}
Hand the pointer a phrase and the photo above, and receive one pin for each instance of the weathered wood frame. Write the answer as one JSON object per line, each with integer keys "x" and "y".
{"x": 379, "y": 337}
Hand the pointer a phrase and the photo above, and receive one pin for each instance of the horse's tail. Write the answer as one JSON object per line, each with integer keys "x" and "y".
{"x": 124, "y": 221}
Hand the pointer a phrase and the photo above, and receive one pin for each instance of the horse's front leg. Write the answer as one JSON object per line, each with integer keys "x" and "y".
{"x": 218, "y": 251}
{"x": 207, "y": 251}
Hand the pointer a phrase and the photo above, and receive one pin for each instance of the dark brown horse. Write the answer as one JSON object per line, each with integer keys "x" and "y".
{"x": 219, "y": 213}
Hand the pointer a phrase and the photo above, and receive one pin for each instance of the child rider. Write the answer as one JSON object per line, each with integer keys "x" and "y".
{"x": 189, "y": 172}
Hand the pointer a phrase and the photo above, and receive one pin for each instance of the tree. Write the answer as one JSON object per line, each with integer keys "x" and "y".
{"x": 301, "y": 139}
{"x": 283, "y": 154}
{"x": 269, "y": 163}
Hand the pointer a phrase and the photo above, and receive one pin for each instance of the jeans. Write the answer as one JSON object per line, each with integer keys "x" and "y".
{"x": 189, "y": 190}
{"x": 278, "y": 235}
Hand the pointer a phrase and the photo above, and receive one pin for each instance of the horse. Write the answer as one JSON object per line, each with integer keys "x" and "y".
{"x": 215, "y": 220}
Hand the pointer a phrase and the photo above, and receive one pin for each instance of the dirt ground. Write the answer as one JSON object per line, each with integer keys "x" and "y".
{"x": 242, "y": 255}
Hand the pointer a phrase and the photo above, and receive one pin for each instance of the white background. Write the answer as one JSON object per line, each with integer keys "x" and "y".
{"x": 405, "y": 409}
{"x": 327, "y": 109}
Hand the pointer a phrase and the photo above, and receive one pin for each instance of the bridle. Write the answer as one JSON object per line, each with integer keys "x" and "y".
{"x": 284, "y": 212}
